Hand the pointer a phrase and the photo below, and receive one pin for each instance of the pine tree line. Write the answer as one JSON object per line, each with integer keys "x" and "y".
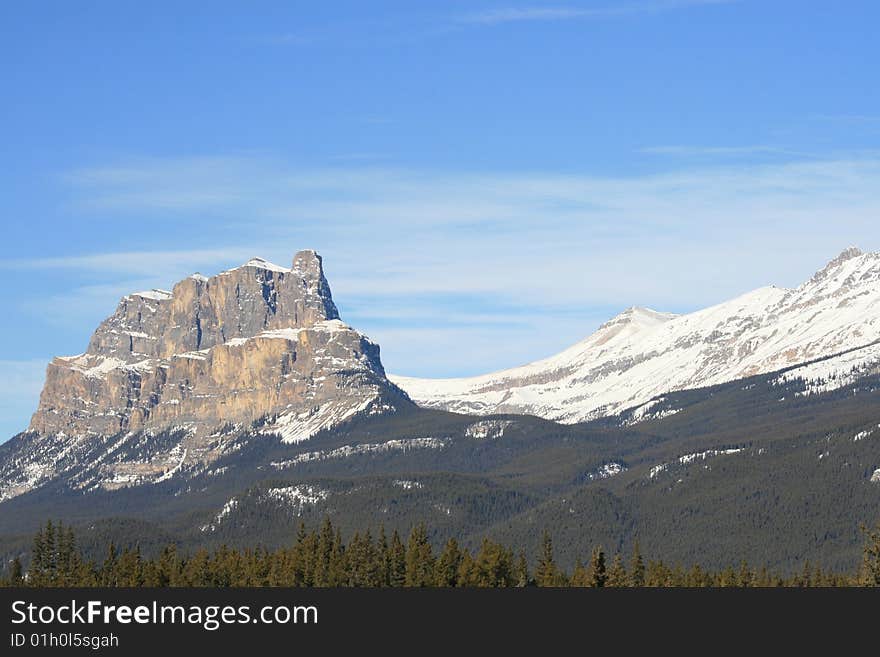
{"x": 320, "y": 558}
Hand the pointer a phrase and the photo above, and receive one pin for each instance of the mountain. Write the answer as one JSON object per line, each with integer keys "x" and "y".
{"x": 235, "y": 407}
{"x": 256, "y": 345}
{"x": 774, "y": 469}
{"x": 642, "y": 353}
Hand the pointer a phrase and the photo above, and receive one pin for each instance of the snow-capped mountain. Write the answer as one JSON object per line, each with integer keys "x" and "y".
{"x": 259, "y": 347}
{"x": 642, "y": 353}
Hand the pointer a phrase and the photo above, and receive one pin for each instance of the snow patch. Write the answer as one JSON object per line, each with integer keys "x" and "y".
{"x": 406, "y": 484}
{"x": 861, "y": 435}
{"x": 687, "y": 459}
{"x": 607, "y": 471}
{"x": 154, "y": 294}
{"x": 487, "y": 429}
{"x": 641, "y": 354}
{"x": 299, "y": 427}
{"x": 646, "y": 412}
{"x": 834, "y": 373}
{"x": 298, "y": 497}
{"x": 363, "y": 449}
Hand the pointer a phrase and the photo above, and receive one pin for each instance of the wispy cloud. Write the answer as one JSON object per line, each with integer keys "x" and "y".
{"x": 536, "y": 260}
{"x": 523, "y": 14}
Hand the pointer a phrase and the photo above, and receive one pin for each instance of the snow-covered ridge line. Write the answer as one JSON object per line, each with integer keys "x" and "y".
{"x": 687, "y": 459}
{"x": 642, "y": 354}
{"x": 363, "y": 449}
{"x": 155, "y": 294}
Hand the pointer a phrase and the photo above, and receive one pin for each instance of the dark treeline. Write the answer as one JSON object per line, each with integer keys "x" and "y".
{"x": 320, "y": 558}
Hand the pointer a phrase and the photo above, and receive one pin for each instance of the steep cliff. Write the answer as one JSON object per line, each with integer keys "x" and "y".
{"x": 255, "y": 346}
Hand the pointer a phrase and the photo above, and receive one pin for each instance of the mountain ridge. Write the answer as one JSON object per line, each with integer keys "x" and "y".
{"x": 642, "y": 353}
{"x": 255, "y": 344}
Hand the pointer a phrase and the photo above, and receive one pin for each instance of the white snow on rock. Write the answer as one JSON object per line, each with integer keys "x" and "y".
{"x": 607, "y": 471}
{"x": 227, "y": 509}
{"x": 641, "y": 353}
{"x": 294, "y": 498}
{"x": 259, "y": 263}
{"x": 702, "y": 456}
{"x": 154, "y": 294}
{"x": 487, "y": 429}
{"x": 875, "y": 478}
{"x": 298, "y": 427}
{"x": 406, "y": 484}
{"x": 298, "y": 497}
{"x": 687, "y": 459}
{"x": 836, "y": 372}
{"x": 362, "y": 449}
{"x": 647, "y": 411}
{"x": 861, "y": 435}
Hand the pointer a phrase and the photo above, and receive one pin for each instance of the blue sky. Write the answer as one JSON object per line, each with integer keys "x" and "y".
{"x": 487, "y": 181}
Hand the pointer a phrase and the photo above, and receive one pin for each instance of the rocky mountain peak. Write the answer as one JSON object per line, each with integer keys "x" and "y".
{"x": 257, "y": 343}
{"x": 848, "y": 254}
{"x": 637, "y": 317}
{"x": 202, "y": 312}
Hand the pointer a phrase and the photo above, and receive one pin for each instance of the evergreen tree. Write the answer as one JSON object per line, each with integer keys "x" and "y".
{"x": 396, "y": 561}
{"x": 696, "y": 577}
{"x": 108, "y": 569}
{"x": 580, "y": 576}
{"x": 870, "y": 575}
{"x": 168, "y": 568}
{"x": 446, "y": 569}
{"x": 383, "y": 562}
{"x": 326, "y": 538}
{"x": 597, "y": 574}
{"x": 419, "y": 559}
{"x": 637, "y": 567}
{"x": 337, "y": 567}
{"x": 466, "y": 571}
{"x": 521, "y": 570}
{"x": 617, "y": 575}
{"x": 493, "y": 565}
{"x": 16, "y": 575}
{"x": 547, "y": 572}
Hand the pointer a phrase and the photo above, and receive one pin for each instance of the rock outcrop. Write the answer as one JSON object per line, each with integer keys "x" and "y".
{"x": 256, "y": 346}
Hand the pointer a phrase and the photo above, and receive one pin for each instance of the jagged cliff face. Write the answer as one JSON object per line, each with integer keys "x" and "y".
{"x": 256, "y": 344}
{"x": 232, "y": 348}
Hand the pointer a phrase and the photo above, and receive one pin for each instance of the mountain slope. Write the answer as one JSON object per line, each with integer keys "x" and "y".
{"x": 255, "y": 345}
{"x": 774, "y": 469}
{"x": 642, "y": 353}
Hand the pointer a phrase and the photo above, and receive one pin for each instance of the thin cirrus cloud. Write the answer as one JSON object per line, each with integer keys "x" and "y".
{"x": 537, "y": 260}
{"x": 532, "y": 14}
{"x": 539, "y": 237}
{"x": 489, "y": 269}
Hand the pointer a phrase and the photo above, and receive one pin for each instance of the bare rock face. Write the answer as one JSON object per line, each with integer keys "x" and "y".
{"x": 201, "y": 312}
{"x": 258, "y": 345}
